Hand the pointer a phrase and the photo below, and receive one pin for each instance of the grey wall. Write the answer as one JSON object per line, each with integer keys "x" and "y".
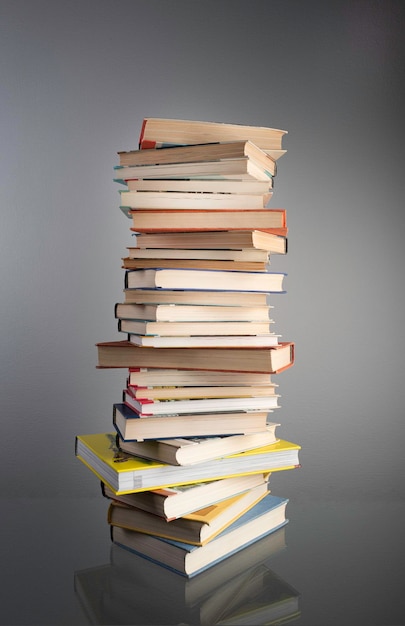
{"x": 77, "y": 78}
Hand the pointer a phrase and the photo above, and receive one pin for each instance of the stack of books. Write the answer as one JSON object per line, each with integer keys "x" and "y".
{"x": 187, "y": 465}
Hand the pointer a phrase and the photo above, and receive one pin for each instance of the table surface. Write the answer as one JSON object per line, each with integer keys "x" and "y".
{"x": 334, "y": 563}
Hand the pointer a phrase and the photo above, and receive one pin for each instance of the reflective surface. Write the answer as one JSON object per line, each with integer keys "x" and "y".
{"x": 334, "y": 563}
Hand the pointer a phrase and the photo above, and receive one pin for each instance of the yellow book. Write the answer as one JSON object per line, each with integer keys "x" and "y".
{"x": 196, "y": 528}
{"x": 125, "y": 473}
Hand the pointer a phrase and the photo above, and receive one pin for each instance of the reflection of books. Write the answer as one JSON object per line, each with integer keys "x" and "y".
{"x": 126, "y": 473}
{"x": 125, "y": 590}
{"x": 174, "y": 502}
{"x": 188, "y": 560}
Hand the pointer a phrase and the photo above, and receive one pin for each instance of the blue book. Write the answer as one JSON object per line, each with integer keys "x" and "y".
{"x": 265, "y": 517}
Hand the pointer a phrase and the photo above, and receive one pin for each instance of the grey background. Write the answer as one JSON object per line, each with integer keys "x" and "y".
{"x": 77, "y": 78}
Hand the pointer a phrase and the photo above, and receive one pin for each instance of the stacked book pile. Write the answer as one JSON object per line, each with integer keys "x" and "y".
{"x": 187, "y": 466}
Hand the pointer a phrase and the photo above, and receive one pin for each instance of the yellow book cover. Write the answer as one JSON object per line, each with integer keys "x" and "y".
{"x": 125, "y": 473}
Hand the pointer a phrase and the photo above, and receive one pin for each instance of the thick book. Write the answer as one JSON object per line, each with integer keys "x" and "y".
{"x": 197, "y": 297}
{"x": 268, "y": 515}
{"x": 131, "y": 424}
{"x": 188, "y": 313}
{"x": 218, "y": 406}
{"x": 222, "y": 240}
{"x": 191, "y": 200}
{"x": 271, "y": 360}
{"x": 202, "y": 153}
{"x": 157, "y": 132}
{"x": 125, "y": 473}
{"x": 191, "y": 450}
{"x": 158, "y": 278}
{"x": 197, "y": 528}
{"x": 166, "y": 220}
{"x": 157, "y": 376}
{"x": 174, "y": 502}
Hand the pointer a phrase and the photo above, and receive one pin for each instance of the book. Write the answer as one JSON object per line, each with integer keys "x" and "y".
{"x": 125, "y": 473}
{"x": 177, "y": 254}
{"x": 270, "y": 360}
{"x": 157, "y": 132}
{"x": 242, "y": 168}
{"x": 197, "y": 297}
{"x": 265, "y": 517}
{"x": 189, "y": 220}
{"x": 202, "y": 153}
{"x": 131, "y": 263}
{"x": 191, "y": 200}
{"x": 226, "y": 239}
{"x": 206, "y": 341}
{"x": 242, "y": 187}
{"x": 132, "y": 425}
{"x": 187, "y": 451}
{"x": 190, "y": 393}
{"x": 146, "y": 407}
{"x": 196, "y": 528}
{"x": 174, "y": 313}
{"x": 156, "y": 376}
{"x": 194, "y": 329}
{"x": 158, "y": 278}
{"x": 174, "y": 502}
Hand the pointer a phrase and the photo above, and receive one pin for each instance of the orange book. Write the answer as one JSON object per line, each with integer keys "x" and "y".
{"x": 160, "y": 220}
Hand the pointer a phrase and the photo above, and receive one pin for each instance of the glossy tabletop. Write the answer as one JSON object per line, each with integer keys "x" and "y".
{"x": 334, "y": 563}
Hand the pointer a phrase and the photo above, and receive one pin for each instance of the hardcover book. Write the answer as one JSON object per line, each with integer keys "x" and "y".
{"x": 270, "y": 360}
{"x": 125, "y": 473}
{"x": 156, "y": 132}
{"x": 187, "y": 451}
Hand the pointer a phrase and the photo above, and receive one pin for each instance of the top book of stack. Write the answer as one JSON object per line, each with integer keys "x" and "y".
{"x": 161, "y": 132}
